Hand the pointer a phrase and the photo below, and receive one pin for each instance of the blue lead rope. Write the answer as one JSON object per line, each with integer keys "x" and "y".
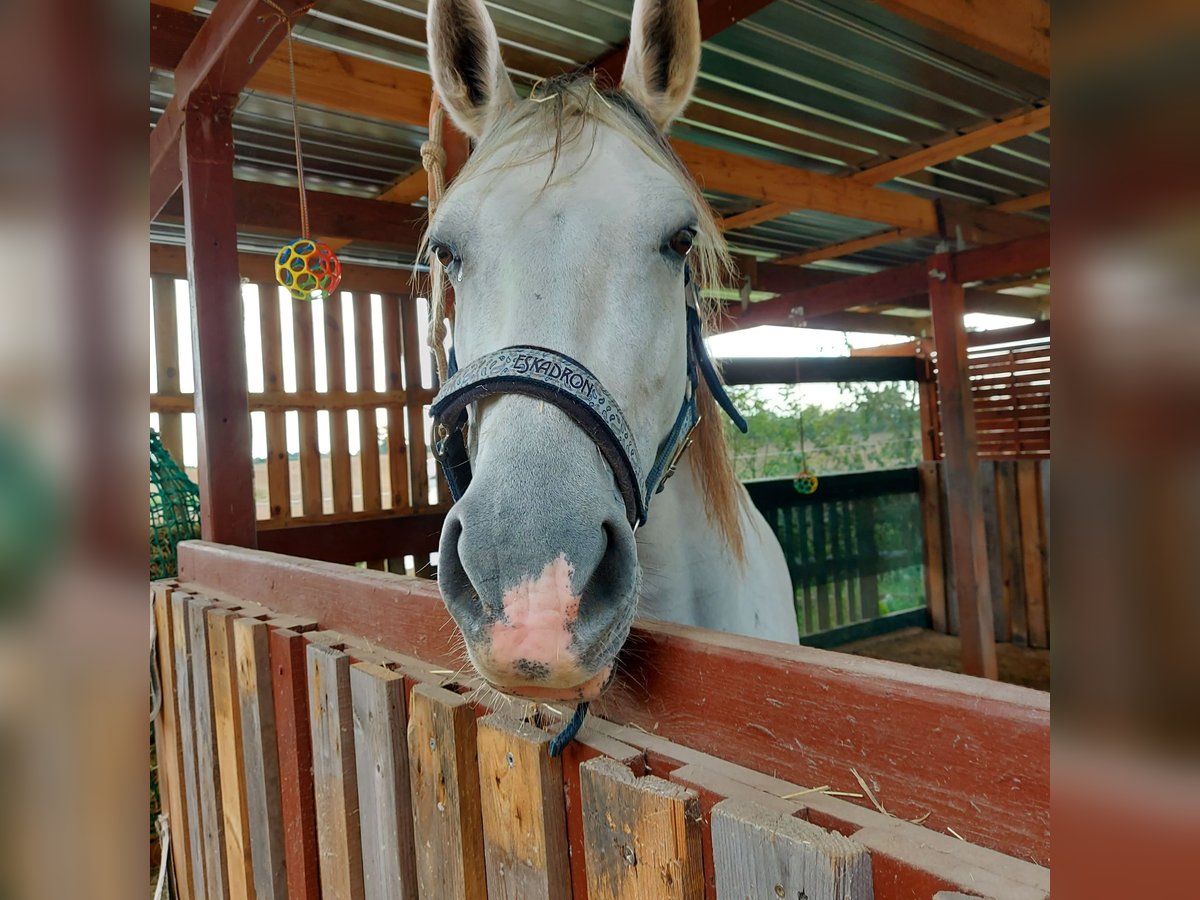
{"x": 569, "y": 731}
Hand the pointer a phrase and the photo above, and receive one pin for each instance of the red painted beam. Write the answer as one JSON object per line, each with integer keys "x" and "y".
{"x": 1018, "y": 257}
{"x": 229, "y": 48}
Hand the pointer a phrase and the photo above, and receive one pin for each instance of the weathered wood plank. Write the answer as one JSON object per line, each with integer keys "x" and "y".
{"x": 447, "y": 818}
{"x": 1008, "y": 525}
{"x": 168, "y": 743}
{"x": 368, "y": 433}
{"x": 289, "y": 683}
{"x": 524, "y": 817}
{"x": 278, "y": 471}
{"x": 339, "y": 433}
{"x": 418, "y": 456}
{"x": 385, "y": 801}
{"x": 182, "y": 649}
{"x": 935, "y": 560}
{"x": 642, "y": 836}
{"x": 166, "y": 360}
{"x": 306, "y": 380}
{"x": 207, "y": 768}
{"x": 256, "y": 702}
{"x": 760, "y": 852}
{"x": 335, "y": 778}
{"x": 1033, "y": 550}
{"x": 394, "y": 369}
{"x": 227, "y": 718}
{"x": 991, "y": 524}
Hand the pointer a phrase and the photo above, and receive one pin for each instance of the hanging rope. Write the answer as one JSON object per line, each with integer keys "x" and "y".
{"x": 569, "y": 731}
{"x": 433, "y": 159}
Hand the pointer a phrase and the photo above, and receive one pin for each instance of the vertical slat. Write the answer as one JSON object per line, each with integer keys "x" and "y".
{"x": 279, "y": 490}
{"x": 394, "y": 367}
{"x": 182, "y": 648}
{"x": 256, "y": 702}
{"x": 166, "y": 361}
{"x": 991, "y": 525}
{"x": 641, "y": 836}
{"x": 211, "y": 811}
{"x": 1032, "y": 550}
{"x": 952, "y": 585}
{"x": 227, "y": 719}
{"x": 839, "y": 599}
{"x": 447, "y": 819}
{"x": 850, "y": 562}
{"x": 168, "y": 744}
{"x": 1011, "y": 566}
{"x": 289, "y": 682}
{"x": 368, "y": 438}
{"x": 306, "y": 380}
{"x": 418, "y": 458}
{"x": 931, "y": 528}
{"x": 805, "y": 536}
{"x": 335, "y": 778}
{"x": 868, "y": 555}
{"x": 385, "y": 802}
{"x": 820, "y": 557}
{"x": 524, "y": 818}
{"x": 761, "y": 852}
{"x": 339, "y": 434}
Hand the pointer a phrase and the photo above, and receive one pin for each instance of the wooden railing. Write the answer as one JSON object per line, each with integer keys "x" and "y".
{"x": 846, "y": 546}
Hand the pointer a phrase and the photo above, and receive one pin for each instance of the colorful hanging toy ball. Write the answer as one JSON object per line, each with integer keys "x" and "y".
{"x": 308, "y": 269}
{"x": 805, "y": 483}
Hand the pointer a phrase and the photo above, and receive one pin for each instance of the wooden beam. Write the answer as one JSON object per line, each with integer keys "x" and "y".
{"x": 1018, "y": 257}
{"x": 964, "y": 508}
{"x": 276, "y": 208}
{"x": 971, "y": 142}
{"x": 1016, "y": 31}
{"x": 1025, "y": 204}
{"x": 747, "y": 176}
{"x": 812, "y": 370}
{"x": 893, "y": 716}
{"x": 359, "y": 539}
{"x": 407, "y": 189}
{"x": 227, "y": 508}
{"x": 228, "y": 48}
{"x": 846, "y": 248}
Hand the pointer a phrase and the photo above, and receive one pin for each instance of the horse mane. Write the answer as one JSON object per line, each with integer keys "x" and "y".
{"x": 563, "y": 108}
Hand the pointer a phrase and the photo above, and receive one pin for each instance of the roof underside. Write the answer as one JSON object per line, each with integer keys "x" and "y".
{"x": 832, "y": 86}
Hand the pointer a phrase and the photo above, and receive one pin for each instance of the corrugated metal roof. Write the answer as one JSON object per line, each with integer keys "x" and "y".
{"x": 834, "y": 86}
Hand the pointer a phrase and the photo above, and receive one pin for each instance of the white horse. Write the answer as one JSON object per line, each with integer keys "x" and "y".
{"x": 574, "y": 228}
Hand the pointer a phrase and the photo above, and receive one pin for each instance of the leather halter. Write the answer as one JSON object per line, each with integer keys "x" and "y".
{"x": 566, "y": 383}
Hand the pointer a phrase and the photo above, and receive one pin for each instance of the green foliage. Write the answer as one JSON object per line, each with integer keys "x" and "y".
{"x": 876, "y": 426}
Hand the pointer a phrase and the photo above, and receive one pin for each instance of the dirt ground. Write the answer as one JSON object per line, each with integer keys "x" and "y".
{"x": 933, "y": 650}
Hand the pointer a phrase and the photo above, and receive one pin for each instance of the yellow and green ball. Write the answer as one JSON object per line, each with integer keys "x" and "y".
{"x": 805, "y": 483}
{"x": 308, "y": 269}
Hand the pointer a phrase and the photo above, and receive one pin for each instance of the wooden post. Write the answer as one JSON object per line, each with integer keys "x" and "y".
{"x": 964, "y": 507}
{"x": 218, "y": 335}
{"x": 168, "y": 742}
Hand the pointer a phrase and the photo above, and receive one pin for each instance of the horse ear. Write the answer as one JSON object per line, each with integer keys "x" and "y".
{"x": 664, "y": 56}
{"x": 464, "y": 59}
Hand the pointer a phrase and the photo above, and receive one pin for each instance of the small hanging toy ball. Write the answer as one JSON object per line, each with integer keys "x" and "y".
{"x": 805, "y": 483}
{"x": 308, "y": 269}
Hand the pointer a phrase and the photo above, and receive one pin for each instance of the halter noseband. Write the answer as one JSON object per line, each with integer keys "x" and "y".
{"x": 566, "y": 383}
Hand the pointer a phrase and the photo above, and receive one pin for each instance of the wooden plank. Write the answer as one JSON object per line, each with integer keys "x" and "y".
{"x": 227, "y": 509}
{"x": 306, "y": 380}
{"x": 952, "y": 624}
{"x": 701, "y": 688}
{"x": 854, "y": 245}
{"x": 524, "y": 818}
{"x": 339, "y": 435}
{"x": 934, "y": 553}
{"x": 185, "y": 695}
{"x": 418, "y": 456}
{"x": 991, "y": 525}
{"x": 227, "y": 717}
{"x": 1025, "y": 204}
{"x": 385, "y": 802}
{"x": 350, "y": 541}
{"x": 166, "y": 361}
{"x": 1033, "y": 549}
{"x": 394, "y": 370}
{"x": 447, "y": 817}
{"x": 964, "y": 509}
{"x": 368, "y": 435}
{"x": 758, "y": 179}
{"x": 826, "y": 615}
{"x": 335, "y": 778}
{"x": 1016, "y": 31}
{"x": 212, "y": 820}
{"x": 264, "y": 805}
{"x": 168, "y": 743}
{"x": 289, "y": 682}
{"x": 281, "y": 401}
{"x": 760, "y": 852}
{"x": 979, "y": 139}
{"x": 278, "y": 471}
{"x": 1008, "y": 526}
{"x": 642, "y": 835}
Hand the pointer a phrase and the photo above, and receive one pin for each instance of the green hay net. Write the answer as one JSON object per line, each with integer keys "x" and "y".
{"x": 174, "y": 509}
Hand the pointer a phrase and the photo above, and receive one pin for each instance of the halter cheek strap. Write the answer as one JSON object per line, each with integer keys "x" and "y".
{"x": 566, "y": 383}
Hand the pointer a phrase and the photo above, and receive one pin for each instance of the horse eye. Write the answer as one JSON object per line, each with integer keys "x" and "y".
{"x": 681, "y": 241}
{"x": 444, "y": 255}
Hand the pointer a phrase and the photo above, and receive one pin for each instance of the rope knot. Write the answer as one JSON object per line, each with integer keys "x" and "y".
{"x": 433, "y": 157}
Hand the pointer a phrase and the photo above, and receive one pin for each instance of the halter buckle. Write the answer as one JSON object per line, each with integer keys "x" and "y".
{"x": 678, "y": 455}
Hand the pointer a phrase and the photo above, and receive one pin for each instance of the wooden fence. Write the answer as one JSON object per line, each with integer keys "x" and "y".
{"x": 838, "y": 543}
{"x": 300, "y": 762}
{"x": 1017, "y": 525}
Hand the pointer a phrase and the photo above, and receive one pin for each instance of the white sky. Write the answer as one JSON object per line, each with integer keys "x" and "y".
{"x": 763, "y": 341}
